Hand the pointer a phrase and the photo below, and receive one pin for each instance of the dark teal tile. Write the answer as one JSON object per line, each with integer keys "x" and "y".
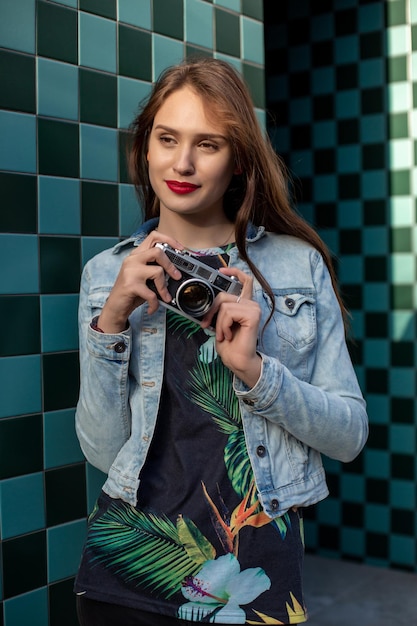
{"x": 57, "y": 32}
{"x": 62, "y": 608}
{"x": 58, "y": 148}
{"x": 253, "y": 8}
{"x": 71, "y": 482}
{"x": 21, "y": 446}
{"x": 99, "y": 209}
{"x": 98, "y": 98}
{"x": 18, "y": 190}
{"x": 135, "y": 53}
{"x": 255, "y": 78}
{"x": 18, "y": 82}
{"x": 193, "y": 52}
{"x": 23, "y": 311}
{"x": 168, "y": 18}
{"x": 60, "y": 264}
{"x": 106, "y": 8}
{"x": 60, "y": 380}
{"x": 227, "y": 32}
{"x": 24, "y": 563}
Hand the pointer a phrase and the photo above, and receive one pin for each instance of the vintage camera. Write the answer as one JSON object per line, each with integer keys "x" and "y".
{"x": 194, "y": 293}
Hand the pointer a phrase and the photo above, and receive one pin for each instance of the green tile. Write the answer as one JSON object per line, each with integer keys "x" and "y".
{"x": 71, "y": 481}
{"x": 133, "y": 45}
{"x": 255, "y": 78}
{"x": 123, "y": 142}
{"x": 57, "y": 89}
{"x": 253, "y": 8}
{"x": 98, "y": 98}
{"x": 17, "y": 79}
{"x": 99, "y": 209}
{"x": 62, "y": 609}
{"x": 22, "y": 505}
{"x": 59, "y": 264}
{"x": 99, "y": 153}
{"x": 57, "y": 34}
{"x": 136, "y": 13}
{"x": 65, "y": 545}
{"x": 21, "y": 446}
{"x": 26, "y": 369}
{"x": 24, "y": 312}
{"x": 18, "y": 142}
{"x": 395, "y": 13}
{"x": 58, "y": 148}
{"x": 93, "y": 245}
{"x": 227, "y": 32}
{"x": 198, "y": 19}
{"x": 397, "y": 125}
{"x": 106, "y": 8}
{"x": 397, "y": 69}
{"x": 60, "y": 380}
{"x": 401, "y": 240}
{"x": 402, "y": 297}
{"x": 95, "y": 481}
{"x": 61, "y": 442}
{"x": 193, "y": 52}
{"x": 168, "y": 17}
{"x": 17, "y": 25}
{"x": 58, "y": 312}
{"x": 19, "y": 253}
{"x": 59, "y": 206}
{"x": 98, "y": 46}
{"x": 399, "y": 182}
{"x": 24, "y": 560}
{"x": 18, "y": 190}
{"x": 28, "y": 609}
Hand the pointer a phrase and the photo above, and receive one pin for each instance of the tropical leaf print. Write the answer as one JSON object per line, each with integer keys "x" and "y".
{"x": 196, "y": 545}
{"x": 131, "y": 542}
{"x": 182, "y": 325}
{"x": 237, "y": 463}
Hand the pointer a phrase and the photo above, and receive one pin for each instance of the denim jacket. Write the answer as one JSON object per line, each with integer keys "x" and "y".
{"x": 307, "y": 400}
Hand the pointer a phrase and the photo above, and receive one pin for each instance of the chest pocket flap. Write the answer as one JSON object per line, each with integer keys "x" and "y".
{"x": 295, "y": 316}
{"x": 97, "y": 298}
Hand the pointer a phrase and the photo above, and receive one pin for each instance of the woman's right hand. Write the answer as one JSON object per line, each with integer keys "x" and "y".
{"x": 130, "y": 290}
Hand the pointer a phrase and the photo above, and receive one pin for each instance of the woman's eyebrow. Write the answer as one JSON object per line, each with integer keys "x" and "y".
{"x": 168, "y": 129}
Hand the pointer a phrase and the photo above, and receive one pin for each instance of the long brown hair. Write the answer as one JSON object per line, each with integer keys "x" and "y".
{"x": 260, "y": 193}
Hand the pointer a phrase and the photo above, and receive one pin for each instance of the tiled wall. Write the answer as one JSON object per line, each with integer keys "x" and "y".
{"x": 71, "y": 75}
{"x": 342, "y": 86}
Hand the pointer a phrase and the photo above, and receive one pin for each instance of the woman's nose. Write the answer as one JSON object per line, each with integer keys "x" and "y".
{"x": 184, "y": 163}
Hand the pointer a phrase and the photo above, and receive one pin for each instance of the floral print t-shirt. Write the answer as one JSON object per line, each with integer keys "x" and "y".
{"x": 198, "y": 546}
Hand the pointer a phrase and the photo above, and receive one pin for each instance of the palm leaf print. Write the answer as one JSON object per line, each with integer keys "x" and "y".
{"x": 181, "y": 324}
{"x": 212, "y": 390}
{"x": 131, "y": 542}
{"x": 237, "y": 463}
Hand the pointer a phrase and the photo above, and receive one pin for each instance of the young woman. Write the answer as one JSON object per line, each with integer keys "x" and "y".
{"x": 211, "y": 429}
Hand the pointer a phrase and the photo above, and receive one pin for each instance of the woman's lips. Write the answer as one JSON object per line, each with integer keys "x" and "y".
{"x": 181, "y": 188}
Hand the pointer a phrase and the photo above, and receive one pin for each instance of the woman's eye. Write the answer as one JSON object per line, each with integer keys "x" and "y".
{"x": 166, "y": 140}
{"x": 208, "y": 145}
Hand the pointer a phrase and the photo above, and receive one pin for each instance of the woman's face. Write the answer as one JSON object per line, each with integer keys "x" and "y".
{"x": 190, "y": 158}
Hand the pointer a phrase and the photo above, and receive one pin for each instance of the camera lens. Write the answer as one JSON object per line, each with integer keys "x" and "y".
{"x": 195, "y": 297}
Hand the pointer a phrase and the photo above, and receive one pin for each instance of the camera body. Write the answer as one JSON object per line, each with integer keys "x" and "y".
{"x": 194, "y": 293}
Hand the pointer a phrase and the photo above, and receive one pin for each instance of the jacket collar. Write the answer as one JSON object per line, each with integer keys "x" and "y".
{"x": 253, "y": 233}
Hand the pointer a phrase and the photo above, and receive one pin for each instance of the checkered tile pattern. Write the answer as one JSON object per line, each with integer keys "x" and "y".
{"x": 342, "y": 99}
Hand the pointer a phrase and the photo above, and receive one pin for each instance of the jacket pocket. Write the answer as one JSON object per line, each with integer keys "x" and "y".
{"x": 295, "y": 317}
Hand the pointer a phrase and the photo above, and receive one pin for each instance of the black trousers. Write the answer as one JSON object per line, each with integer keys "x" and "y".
{"x": 95, "y": 613}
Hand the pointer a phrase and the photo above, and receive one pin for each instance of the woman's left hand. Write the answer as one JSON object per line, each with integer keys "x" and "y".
{"x": 237, "y": 327}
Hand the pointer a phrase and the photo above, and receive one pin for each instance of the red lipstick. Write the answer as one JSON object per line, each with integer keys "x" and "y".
{"x": 181, "y": 188}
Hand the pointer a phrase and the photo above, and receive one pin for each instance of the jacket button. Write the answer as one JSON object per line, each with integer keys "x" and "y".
{"x": 261, "y": 451}
{"x": 119, "y": 347}
{"x": 249, "y": 402}
{"x": 274, "y": 505}
{"x": 290, "y": 303}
